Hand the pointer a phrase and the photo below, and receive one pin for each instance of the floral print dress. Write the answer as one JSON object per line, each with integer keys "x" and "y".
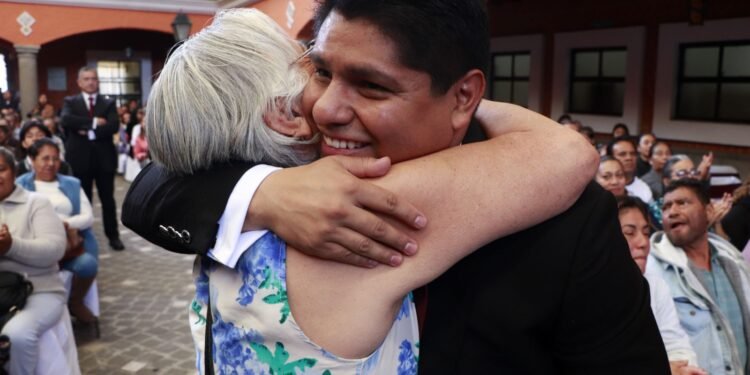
{"x": 254, "y": 331}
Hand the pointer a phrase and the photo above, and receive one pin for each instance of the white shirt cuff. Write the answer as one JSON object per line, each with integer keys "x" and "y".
{"x": 231, "y": 242}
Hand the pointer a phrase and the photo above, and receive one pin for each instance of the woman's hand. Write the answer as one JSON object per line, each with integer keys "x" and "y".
{"x": 720, "y": 209}
{"x": 6, "y": 240}
{"x": 325, "y": 210}
{"x": 705, "y": 166}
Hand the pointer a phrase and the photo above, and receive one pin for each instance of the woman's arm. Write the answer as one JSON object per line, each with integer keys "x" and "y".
{"x": 531, "y": 171}
{"x": 48, "y": 244}
{"x": 85, "y": 218}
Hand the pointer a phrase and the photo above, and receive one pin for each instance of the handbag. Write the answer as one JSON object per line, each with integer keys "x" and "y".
{"x": 14, "y": 290}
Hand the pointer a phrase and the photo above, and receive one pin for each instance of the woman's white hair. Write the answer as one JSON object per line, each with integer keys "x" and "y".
{"x": 208, "y": 104}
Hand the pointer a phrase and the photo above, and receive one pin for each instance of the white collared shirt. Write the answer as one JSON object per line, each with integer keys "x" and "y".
{"x": 231, "y": 242}
{"x": 91, "y": 134}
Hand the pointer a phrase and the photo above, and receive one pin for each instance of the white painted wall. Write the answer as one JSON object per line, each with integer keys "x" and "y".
{"x": 670, "y": 38}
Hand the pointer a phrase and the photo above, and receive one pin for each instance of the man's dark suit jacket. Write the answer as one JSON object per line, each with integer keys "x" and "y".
{"x": 563, "y": 297}
{"x": 76, "y": 122}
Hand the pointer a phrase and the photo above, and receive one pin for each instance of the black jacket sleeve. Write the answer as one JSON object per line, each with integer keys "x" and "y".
{"x": 72, "y": 120}
{"x": 737, "y": 223}
{"x": 607, "y": 325}
{"x": 180, "y": 213}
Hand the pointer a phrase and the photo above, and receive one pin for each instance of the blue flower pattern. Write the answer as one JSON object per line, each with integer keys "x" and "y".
{"x": 261, "y": 272}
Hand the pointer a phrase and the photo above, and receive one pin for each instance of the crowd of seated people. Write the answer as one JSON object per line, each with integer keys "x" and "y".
{"x": 688, "y": 246}
{"x": 132, "y": 146}
{"x": 32, "y": 241}
{"x": 46, "y": 227}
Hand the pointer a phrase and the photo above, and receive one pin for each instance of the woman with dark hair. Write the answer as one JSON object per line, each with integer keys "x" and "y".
{"x": 636, "y": 229}
{"x": 611, "y": 176}
{"x": 74, "y": 209}
{"x": 657, "y": 158}
{"x": 620, "y": 130}
{"x": 31, "y": 132}
{"x": 32, "y": 241}
{"x": 645, "y": 141}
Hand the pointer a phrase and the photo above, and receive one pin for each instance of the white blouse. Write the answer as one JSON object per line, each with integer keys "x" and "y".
{"x": 63, "y": 206}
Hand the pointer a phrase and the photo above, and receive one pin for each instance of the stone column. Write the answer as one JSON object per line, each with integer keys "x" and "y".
{"x": 27, "y": 77}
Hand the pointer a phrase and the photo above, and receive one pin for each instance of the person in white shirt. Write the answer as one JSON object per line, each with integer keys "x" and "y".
{"x": 624, "y": 150}
{"x": 74, "y": 209}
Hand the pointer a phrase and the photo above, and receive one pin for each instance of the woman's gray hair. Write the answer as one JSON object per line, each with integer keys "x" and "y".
{"x": 9, "y": 159}
{"x": 669, "y": 165}
{"x": 208, "y": 104}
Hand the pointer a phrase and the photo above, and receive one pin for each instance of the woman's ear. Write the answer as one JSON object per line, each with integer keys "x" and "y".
{"x": 282, "y": 123}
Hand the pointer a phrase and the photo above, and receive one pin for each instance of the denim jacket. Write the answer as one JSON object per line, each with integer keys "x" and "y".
{"x": 708, "y": 328}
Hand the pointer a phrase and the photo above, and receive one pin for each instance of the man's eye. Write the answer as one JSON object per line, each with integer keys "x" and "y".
{"x": 374, "y": 86}
{"x": 322, "y": 73}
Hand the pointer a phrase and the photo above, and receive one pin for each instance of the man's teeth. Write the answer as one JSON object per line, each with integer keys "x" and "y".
{"x": 342, "y": 144}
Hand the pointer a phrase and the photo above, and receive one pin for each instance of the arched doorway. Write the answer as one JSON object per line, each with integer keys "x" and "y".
{"x": 126, "y": 59}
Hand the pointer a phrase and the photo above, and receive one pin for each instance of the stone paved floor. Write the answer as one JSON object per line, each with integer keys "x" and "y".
{"x": 144, "y": 295}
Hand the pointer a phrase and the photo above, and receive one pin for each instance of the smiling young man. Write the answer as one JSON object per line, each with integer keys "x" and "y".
{"x": 709, "y": 281}
{"x": 403, "y": 79}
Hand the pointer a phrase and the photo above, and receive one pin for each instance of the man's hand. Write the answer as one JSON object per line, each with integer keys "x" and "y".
{"x": 101, "y": 121}
{"x": 326, "y": 211}
{"x": 682, "y": 368}
{"x": 6, "y": 240}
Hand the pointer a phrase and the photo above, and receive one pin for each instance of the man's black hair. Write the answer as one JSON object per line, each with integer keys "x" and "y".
{"x": 443, "y": 38}
{"x": 612, "y": 143}
{"x": 696, "y": 186}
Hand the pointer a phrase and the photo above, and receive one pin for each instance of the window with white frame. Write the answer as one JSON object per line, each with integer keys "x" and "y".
{"x": 713, "y": 82}
{"x": 510, "y": 77}
{"x": 120, "y": 80}
{"x": 597, "y": 81}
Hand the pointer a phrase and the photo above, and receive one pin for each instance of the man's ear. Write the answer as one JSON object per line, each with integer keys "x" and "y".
{"x": 468, "y": 91}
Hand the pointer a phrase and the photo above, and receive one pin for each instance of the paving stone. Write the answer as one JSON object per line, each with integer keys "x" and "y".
{"x": 144, "y": 293}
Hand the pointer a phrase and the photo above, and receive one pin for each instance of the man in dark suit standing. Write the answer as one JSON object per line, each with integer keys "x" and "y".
{"x": 89, "y": 121}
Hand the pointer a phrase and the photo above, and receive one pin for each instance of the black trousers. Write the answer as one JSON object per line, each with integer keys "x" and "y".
{"x": 105, "y": 188}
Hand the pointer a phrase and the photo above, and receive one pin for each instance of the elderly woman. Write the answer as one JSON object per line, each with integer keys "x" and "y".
{"x": 280, "y": 309}
{"x": 32, "y": 241}
{"x": 611, "y": 176}
{"x": 74, "y": 209}
{"x": 636, "y": 229}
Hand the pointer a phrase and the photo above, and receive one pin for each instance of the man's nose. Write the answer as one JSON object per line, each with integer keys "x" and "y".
{"x": 333, "y": 107}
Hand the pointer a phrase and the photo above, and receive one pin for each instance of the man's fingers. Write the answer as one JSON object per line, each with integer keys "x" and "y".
{"x": 365, "y": 167}
{"x": 360, "y": 245}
